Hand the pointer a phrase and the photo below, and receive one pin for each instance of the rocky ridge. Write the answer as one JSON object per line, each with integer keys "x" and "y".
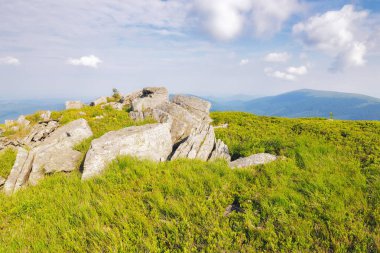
{"x": 183, "y": 130}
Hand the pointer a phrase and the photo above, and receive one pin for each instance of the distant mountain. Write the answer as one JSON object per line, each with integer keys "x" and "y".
{"x": 11, "y": 109}
{"x": 308, "y": 103}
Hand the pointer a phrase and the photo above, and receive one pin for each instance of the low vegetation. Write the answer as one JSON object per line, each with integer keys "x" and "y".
{"x": 324, "y": 196}
{"x": 7, "y": 158}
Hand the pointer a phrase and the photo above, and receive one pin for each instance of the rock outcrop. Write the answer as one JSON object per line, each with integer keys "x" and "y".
{"x": 74, "y": 105}
{"x": 196, "y": 106}
{"x": 40, "y": 132}
{"x": 54, "y": 154}
{"x": 101, "y": 100}
{"x": 150, "y": 98}
{"x": 151, "y": 141}
{"x": 252, "y": 160}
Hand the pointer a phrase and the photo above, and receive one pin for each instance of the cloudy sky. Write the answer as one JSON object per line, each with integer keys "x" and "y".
{"x": 84, "y": 48}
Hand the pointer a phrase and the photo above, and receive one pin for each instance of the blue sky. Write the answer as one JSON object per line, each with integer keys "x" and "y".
{"x": 84, "y": 48}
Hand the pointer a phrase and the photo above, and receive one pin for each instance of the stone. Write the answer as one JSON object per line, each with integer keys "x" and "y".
{"x": 151, "y": 142}
{"x": 127, "y": 100}
{"x": 45, "y": 115}
{"x": 151, "y": 98}
{"x": 196, "y": 106}
{"x": 198, "y": 145}
{"x": 40, "y": 132}
{"x": 101, "y": 100}
{"x": 257, "y": 159}
{"x": 22, "y": 121}
{"x": 220, "y": 151}
{"x": 19, "y": 173}
{"x": 183, "y": 121}
{"x": 56, "y": 153}
{"x": 74, "y": 105}
{"x": 99, "y": 117}
{"x": 221, "y": 126}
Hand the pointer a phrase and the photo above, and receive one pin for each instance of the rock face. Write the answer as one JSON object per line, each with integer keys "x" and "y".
{"x": 220, "y": 151}
{"x": 40, "y": 132}
{"x": 74, "y": 105}
{"x": 252, "y": 160}
{"x": 150, "y": 98}
{"x": 101, "y": 100}
{"x": 54, "y": 154}
{"x": 196, "y": 106}
{"x": 151, "y": 141}
{"x": 198, "y": 145}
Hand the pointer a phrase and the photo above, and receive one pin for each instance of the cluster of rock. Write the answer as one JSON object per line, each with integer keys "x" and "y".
{"x": 183, "y": 130}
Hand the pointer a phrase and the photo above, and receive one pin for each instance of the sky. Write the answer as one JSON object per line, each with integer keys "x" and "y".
{"x": 84, "y": 48}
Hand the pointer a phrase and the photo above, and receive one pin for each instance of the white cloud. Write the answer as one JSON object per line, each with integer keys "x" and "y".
{"x": 302, "y": 70}
{"x": 88, "y": 61}
{"x": 226, "y": 19}
{"x": 341, "y": 34}
{"x": 9, "y": 60}
{"x": 269, "y": 15}
{"x": 279, "y": 74}
{"x": 244, "y": 62}
{"x": 277, "y": 57}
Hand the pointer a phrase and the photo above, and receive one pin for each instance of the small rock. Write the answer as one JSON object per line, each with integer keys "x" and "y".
{"x": 101, "y": 100}
{"x": 252, "y": 160}
{"x": 82, "y": 113}
{"x": 221, "y": 126}
{"x": 74, "y": 105}
{"x": 45, "y": 115}
{"x": 99, "y": 117}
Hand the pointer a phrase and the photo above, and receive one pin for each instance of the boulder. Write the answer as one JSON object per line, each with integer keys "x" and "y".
{"x": 45, "y": 115}
{"x": 151, "y": 141}
{"x": 196, "y": 106}
{"x": 127, "y": 100}
{"x": 74, "y": 105}
{"x": 183, "y": 121}
{"x": 252, "y": 160}
{"x": 198, "y": 145}
{"x": 150, "y": 98}
{"x": 40, "y": 132}
{"x": 101, "y": 100}
{"x": 220, "y": 151}
{"x": 54, "y": 154}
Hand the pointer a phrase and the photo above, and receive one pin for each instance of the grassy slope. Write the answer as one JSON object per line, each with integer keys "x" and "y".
{"x": 324, "y": 197}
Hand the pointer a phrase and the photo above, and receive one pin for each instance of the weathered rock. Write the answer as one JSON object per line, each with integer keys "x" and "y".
{"x": 151, "y": 141}
{"x": 198, "y": 145}
{"x": 40, "y": 132}
{"x": 151, "y": 98}
{"x": 196, "y": 106}
{"x": 252, "y": 160}
{"x": 127, "y": 100}
{"x": 2, "y": 181}
{"x": 136, "y": 116}
{"x": 220, "y": 151}
{"x": 5, "y": 142}
{"x": 183, "y": 121}
{"x": 101, "y": 100}
{"x": 56, "y": 153}
{"x": 19, "y": 173}
{"x": 74, "y": 105}
{"x": 45, "y": 115}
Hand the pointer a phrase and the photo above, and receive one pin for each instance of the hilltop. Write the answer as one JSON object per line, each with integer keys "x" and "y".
{"x": 167, "y": 183}
{"x": 308, "y": 103}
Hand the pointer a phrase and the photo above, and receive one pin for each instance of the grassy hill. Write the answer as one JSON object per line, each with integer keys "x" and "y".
{"x": 323, "y": 196}
{"x": 308, "y": 103}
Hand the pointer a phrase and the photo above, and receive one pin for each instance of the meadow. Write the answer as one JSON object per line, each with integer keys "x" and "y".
{"x": 323, "y": 195}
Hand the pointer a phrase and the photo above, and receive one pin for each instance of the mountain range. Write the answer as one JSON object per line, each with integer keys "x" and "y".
{"x": 306, "y": 103}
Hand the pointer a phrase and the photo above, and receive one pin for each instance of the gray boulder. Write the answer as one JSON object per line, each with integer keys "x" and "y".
{"x": 150, "y": 98}
{"x": 40, "y": 132}
{"x": 74, "y": 105}
{"x": 252, "y": 160}
{"x": 151, "y": 141}
{"x": 196, "y": 106}
{"x": 54, "y": 154}
{"x": 198, "y": 145}
{"x": 220, "y": 151}
{"x": 101, "y": 100}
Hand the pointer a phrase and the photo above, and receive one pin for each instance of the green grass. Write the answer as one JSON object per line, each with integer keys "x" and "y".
{"x": 7, "y": 159}
{"x": 324, "y": 197}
